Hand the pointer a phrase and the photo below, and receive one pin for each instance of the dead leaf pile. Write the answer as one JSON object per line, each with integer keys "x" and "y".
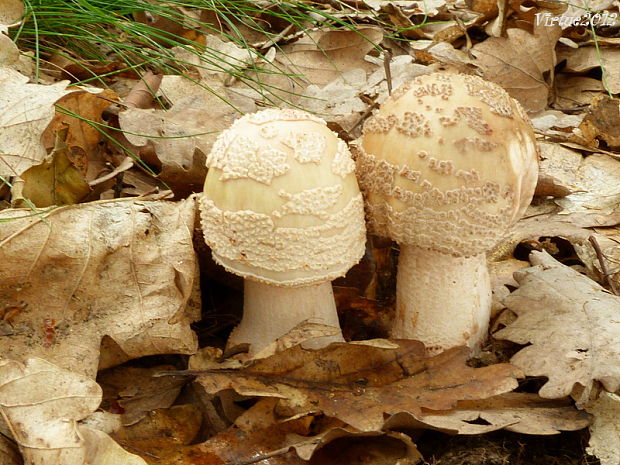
{"x": 99, "y": 270}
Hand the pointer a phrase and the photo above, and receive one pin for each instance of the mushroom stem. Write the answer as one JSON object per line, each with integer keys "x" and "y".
{"x": 269, "y": 312}
{"x": 442, "y": 300}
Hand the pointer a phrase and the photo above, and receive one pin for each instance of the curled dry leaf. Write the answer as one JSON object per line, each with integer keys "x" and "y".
{"x": 28, "y": 109}
{"x": 520, "y": 412}
{"x": 9, "y": 454}
{"x": 56, "y": 181}
{"x": 11, "y": 13}
{"x": 124, "y": 269}
{"x": 520, "y": 63}
{"x": 601, "y": 122}
{"x": 597, "y": 181}
{"x": 42, "y": 403}
{"x": 182, "y": 136}
{"x": 360, "y": 384}
{"x": 321, "y": 56}
{"x": 588, "y": 57}
{"x": 558, "y": 170}
{"x": 137, "y": 392}
{"x": 572, "y": 325}
{"x": 103, "y": 450}
{"x": 605, "y": 431}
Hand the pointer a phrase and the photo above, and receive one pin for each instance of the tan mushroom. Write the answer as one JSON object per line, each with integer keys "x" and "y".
{"x": 447, "y": 165}
{"x": 282, "y": 208}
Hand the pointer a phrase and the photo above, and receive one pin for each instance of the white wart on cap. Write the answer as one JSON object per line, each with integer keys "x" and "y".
{"x": 447, "y": 165}
{"x": 282, "y": 208}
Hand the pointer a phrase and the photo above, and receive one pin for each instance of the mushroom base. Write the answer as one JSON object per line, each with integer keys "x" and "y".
{"x": 442, "y": 300}
{"x": 270, "y": 312}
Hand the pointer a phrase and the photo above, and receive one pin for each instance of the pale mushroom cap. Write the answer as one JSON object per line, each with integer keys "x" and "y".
{"x": 281, "y": 203}
{"x": 448, "y": 163}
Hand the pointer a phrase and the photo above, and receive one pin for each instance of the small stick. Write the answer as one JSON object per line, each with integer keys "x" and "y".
{"x": 387, "y": 58}
{"x": 601, "y": 260}
{"x": 261, "y": 457}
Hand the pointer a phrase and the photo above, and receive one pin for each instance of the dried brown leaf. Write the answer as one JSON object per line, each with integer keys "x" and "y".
{"x": 571, "y": 324}
{"x": 589, "y": 57}
{"x": 514, "y": 411}
{"x": 28, "y": 109}
{"x": 182, "y": 136}
{"x": 360, "y": 384}
{"x": 42, "y": 404}
{"x": 137, "y": 391}
{"x": 124, "y": 269}
{"x": 56, "y": 181}
{"x": 11, "y": 12}
{"x": 521, "y": 63}
{"x": 321, "y": 56}
{"x": 605, "y": 431}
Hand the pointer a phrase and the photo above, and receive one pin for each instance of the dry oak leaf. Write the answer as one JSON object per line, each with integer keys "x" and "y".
{"x": 520, "y": 412}
{"x": 42, "y": 404}
{"x": 572, "y": 324}
{"x": 11, "y": 12}
{"x": 521, "y": 63}
{"x": 588, "y": 57}
{"x": 319, "y": 57}
{"x": 27, "y": 109}
{"x": 81, "y": 112}
{"x": 121, "y": 270}
{"x": 360, "y": 384}
{"x": 605, "y": 430}
{"x": 56, "y": 181}
{"x": 9, "y": 454}
{"x": 183, "y": 135}
{"x": 137, "y": 391}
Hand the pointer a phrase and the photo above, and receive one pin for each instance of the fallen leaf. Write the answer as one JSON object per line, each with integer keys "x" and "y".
{"x": 571, "y": 324}
{"x": 11, "y": 13}
{"x": 360, "y": 384}
{"x": 42, "y": 404}
{"x": 558, "y": 170}
{"x": 597, "y": 181}
{"x": 182, "y": 136}
{"x": 588, "y": 57}
{"x": 521, "y": 63}
{"x": 137, "y": 392}
{"x": 601, "y": 122}
{"x": 520, "y": 412}
{"x": 176, "y": 425}
{"x": 123, "y": 269}
{"x": 319, "y": 57}
{"x": 572, "y": 91}
{"x": 101, "y": 449}
{"x": 27, "y": 110}
{"x": 9, "y": 453}
{"x": 56, "y": 181}
{"x": 605, "y": 430}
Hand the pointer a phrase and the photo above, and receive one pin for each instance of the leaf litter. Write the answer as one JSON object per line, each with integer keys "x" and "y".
{"x": 93, "y": 284}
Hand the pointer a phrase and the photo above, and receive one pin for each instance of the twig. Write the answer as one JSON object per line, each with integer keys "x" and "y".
{"x": 387, "y": 58}
{"x": 601, "y": 260}
{"x": 258, "y": 458}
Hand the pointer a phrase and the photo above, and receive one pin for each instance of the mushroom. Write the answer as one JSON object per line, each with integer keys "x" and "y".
{"x": 281, "y": 208}
{"x": 447, "y": 165}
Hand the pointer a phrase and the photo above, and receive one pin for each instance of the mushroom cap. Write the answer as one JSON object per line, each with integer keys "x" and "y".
{"x": 281, "y": 203}
{"x": 448, "y": 163}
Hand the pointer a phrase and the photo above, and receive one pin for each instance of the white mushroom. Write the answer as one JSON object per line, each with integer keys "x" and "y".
{"x": 447, "y": 165}
{"x": 282, "y": 208}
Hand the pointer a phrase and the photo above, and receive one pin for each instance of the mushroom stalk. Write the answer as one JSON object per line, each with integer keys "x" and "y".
{"x": 269, "y": 312}
{"x": 441, "y": 300}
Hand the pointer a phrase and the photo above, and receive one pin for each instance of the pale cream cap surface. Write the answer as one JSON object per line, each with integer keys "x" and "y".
{"x": 448, "y": 163}
{"x": 281, "y": 203}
